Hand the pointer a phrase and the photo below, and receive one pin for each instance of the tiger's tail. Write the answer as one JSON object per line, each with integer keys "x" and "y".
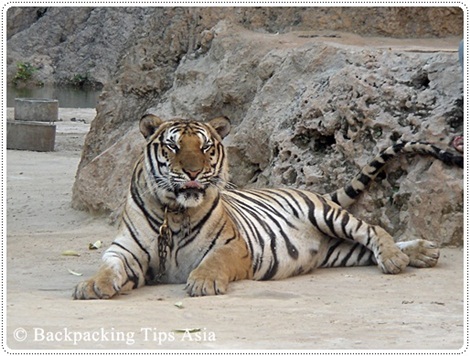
{"x": 347, "y": 195}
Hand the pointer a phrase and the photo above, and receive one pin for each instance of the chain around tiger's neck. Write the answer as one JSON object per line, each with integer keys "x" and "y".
{"x": 165, "y": 238}
{"x": 163, "y": 243}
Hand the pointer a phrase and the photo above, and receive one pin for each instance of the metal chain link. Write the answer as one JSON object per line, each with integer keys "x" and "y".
{"x": 163, "y": 243}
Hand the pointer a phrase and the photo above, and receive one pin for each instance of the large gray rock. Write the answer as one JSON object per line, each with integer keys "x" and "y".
{"x": 93, "y": 42}
{"x": 64, "y": 43}
{"x": 308, "y": 112}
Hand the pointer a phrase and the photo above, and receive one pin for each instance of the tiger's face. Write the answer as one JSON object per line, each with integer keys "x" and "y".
{"x": 186, "y": 159}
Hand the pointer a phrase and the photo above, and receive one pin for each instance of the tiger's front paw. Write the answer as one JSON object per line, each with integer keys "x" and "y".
{"x": 201, "y": 283}
{"x": 392, "y": 260}
{"x": 105, "y": 284}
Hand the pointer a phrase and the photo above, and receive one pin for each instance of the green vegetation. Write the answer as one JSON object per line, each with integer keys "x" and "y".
{"x": 81, "y": 80}
{"x": 25, "y": 71}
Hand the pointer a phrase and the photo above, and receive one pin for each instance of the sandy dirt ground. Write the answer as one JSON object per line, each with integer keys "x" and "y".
{"x": 332, "y": 309}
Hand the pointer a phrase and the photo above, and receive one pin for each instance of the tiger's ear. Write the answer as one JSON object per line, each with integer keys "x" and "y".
{"x": 149, "y": 123}
{"x": 221, "y": 125}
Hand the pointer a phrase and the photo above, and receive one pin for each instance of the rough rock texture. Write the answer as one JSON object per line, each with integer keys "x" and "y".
{"x": 63, "y": 43}
{"x": 93, "y": 42}
{"x": 309, "y": 108}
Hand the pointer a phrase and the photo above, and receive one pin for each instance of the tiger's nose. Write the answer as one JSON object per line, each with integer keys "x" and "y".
{"x": 192, "y": 174}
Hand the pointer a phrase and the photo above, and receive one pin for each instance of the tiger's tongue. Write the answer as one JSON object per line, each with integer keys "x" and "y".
{"x": 193, "y": 185}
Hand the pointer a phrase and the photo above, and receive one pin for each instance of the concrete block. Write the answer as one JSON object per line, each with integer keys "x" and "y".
{"x": 31, "y": 136}
{"x": 29, "y": 109}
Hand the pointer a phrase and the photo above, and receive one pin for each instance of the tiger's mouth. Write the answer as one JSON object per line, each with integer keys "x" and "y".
{"x": 193, "y": 184}
{"x": 191, "y": 188}
{"x": 190, "y": 194}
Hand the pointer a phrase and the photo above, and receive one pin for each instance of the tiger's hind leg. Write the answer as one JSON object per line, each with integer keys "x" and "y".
{"x": 332, "y": 220}
{"x": 343, "y": 253}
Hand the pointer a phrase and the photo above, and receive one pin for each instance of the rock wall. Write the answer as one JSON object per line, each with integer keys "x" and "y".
{"x": 93, "y": 42}
{"x": 309, "y": 105}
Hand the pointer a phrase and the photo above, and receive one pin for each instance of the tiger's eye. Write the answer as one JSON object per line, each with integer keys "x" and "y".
{"x": 207, "y": 146}
{"x": 172, "y": 146}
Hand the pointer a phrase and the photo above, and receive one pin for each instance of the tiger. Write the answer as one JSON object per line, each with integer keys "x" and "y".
{"x": 184, "y": 223}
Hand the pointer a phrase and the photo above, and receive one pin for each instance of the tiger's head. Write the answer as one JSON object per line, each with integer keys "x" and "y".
{"x": 185, "y": 160}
